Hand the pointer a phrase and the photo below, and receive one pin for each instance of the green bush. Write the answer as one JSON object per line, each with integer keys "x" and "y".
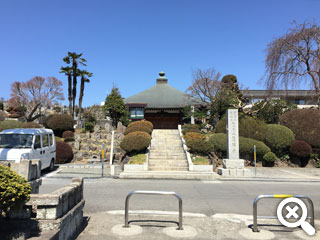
{"x": 200, "y": 146}
{"x": 135, "y": 141}
{"x": 300, "y": 148}
{"x": 193, "y": 135}
{"x": 30, "y": 125}
{"x": 248, "y": 127}
{"x": 305, "y": 124}
{"x": 279, "y": 138}
{"x": 142, "y": 122}
{"x": 89, "y": 121}
{"x": 64, "y": 153}
{"x": 69, "y": 139}
{"x": 14, "y": 190}
{"x": 269, "y": 157}
{"x": 219, "y": 141}
{"x": 67, "y": 134}
{"x": 142, "y": 126}
{"x": 60, "y": 123}
{"x": 190, "y": 128}
{"x": 9, "y": 124}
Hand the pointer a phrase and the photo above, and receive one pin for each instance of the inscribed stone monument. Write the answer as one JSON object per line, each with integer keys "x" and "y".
{"x": 233, "y": 166}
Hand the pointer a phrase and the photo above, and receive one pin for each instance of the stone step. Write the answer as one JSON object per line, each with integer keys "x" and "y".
{"x": 169, "y": 175}
{"x": 170, "y": 157}
{"x": 167, "y": 154}
{"x": 167, "y": 168}
{"x": 167, "y": 164}
{"x": 170, "y": 161}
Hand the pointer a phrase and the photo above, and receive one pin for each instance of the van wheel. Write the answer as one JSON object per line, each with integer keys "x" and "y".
{"x": 51, "y": 165}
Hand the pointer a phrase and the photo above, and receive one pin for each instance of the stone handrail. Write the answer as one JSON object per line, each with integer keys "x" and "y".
{"x": 185, "y": 148}
{"x": 58, "y": 203}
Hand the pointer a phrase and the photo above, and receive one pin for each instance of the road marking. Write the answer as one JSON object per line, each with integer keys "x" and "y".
{"x": 301, "y": 175}
{"x": 155, "y": 212}
{"x": 212, "y": 182}
{"x": 51, "y": 174}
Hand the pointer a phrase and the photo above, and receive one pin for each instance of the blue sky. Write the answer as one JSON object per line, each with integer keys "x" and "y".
{"x": 128, "y": 42}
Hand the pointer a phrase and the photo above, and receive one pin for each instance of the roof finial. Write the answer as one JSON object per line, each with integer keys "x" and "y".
{"x": 161, "y": 74}
{"x": 162, "y": 78}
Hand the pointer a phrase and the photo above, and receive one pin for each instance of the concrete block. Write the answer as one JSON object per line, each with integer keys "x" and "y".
{"x": 233, "y": 163}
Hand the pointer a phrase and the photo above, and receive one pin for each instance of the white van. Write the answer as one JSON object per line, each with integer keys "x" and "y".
{"x": 28, "y": 143}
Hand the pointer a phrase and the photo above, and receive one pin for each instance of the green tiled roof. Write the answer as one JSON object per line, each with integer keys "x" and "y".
{"x": 162, "y": 95}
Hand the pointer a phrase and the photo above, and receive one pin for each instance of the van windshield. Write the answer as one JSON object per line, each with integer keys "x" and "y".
{"x": 15, "y": 140}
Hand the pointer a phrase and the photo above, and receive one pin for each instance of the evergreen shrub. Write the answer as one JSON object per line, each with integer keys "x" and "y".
{"x": 190, "y": 128}
{"x": 305, "y": 124}
{"x": 60, "y": 123}
{"x": 200, "y": 146}
{"x": 269, "y": 157}
{"x": 14, "y": 190}
{"x": 193, "y": 135}
{"x": 67, "y": 134}
{"x": 248, "y": 127}
{"x": 9, "y": 124}
{"x": 279, "y": 138}
{"x": 142, "y": 126}
{"x": 300, "y": 148}
{"x": 64, "y": 153}
{"x": 31, "y": 125}
{"x": 135, "y": 141}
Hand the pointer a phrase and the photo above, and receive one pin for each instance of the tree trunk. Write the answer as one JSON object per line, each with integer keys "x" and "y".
{"x": 80, "y": 101}
{"x": 70, "y": 93}
{"x": 74, "y": 91}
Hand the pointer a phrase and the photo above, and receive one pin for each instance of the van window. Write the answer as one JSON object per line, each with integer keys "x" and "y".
{"x": 37, "y": 142}
{"x": 45, "y": 140}
{"x": 51, "y": 139}
{"x": 15, "y": 140}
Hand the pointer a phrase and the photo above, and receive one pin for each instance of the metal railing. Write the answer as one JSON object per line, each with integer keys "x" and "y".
{"x": 126, "y": 214}
{"x": 255, "y": 208}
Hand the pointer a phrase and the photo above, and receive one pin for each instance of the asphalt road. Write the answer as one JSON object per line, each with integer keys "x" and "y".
{"x": 208, "y": 198}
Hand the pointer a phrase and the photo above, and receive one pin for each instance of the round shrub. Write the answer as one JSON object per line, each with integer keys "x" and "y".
{"x": 69, "y": 139}
{"x": 190, "y": 128}
{"x": 30, "y": 125}
{"x": 64, "y": 152}
{"x": 300, "y": 148}
{"x": 3, "y": 115}
{"x": 60, "y": 123}
{"x": 67, "y": 134}
{"x": 279, "y": 138}
{"x": 219, "y": 141}
{"x": 248, "y": 127}
{"x": 142, "y": 122}
{"x": 305, "y": 124}
{"x": 135, "y": 141}
{"x": 193, "y": 135}
{"x": 14, "y": 190}
{"x": 269, "y": 157}
{"x": 200, "y": 146}
{"x": 9, "y": 124}
{"x": 138, "y": 127}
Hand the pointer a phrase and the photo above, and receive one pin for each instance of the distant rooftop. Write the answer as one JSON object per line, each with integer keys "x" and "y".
{"x": 161, "y": 95}
{"x": 278, "y": 93}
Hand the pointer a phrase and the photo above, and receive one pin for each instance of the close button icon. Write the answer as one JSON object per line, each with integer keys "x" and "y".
{"x": 292, "y": 212}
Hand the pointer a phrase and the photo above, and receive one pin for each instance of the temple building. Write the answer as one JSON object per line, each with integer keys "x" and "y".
{"x": 161, "y": 104}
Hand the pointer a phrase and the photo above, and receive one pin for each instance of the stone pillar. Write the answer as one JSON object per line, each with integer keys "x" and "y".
{"x": 233, "y": 166}
{"x": 192, "y": 114}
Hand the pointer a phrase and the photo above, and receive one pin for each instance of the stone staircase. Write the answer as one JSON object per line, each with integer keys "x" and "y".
{"x": 166, "y": 152}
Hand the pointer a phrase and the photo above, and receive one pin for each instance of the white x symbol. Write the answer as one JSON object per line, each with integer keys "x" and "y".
{"x": 292, "y": 212}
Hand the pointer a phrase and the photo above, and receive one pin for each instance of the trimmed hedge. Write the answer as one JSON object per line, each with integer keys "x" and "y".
{"x": 279, "y": 138}
{"x": 9, "y": 124}
{"x": 248, "y": 127}
{"x": 60, "y": 123}
{"x": 193, "y": 135}
{"x": 14, "y": 190}
{"x": 64, "y": 152}
{"x": 305, "y": 124}
{"x": 142, "y": 122}
{"x": 67, "y": 134}
{"x": 31, "y": 125}
{"x": 269, "y": 157}
{"x": 143, "y": 126}
{"x": 201, "y": 146}
{"x": 300, "y": 148}
{"x": 135, "y": 141}
{"x": 190, "y": 128}
{"x": 219, "y": 141}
